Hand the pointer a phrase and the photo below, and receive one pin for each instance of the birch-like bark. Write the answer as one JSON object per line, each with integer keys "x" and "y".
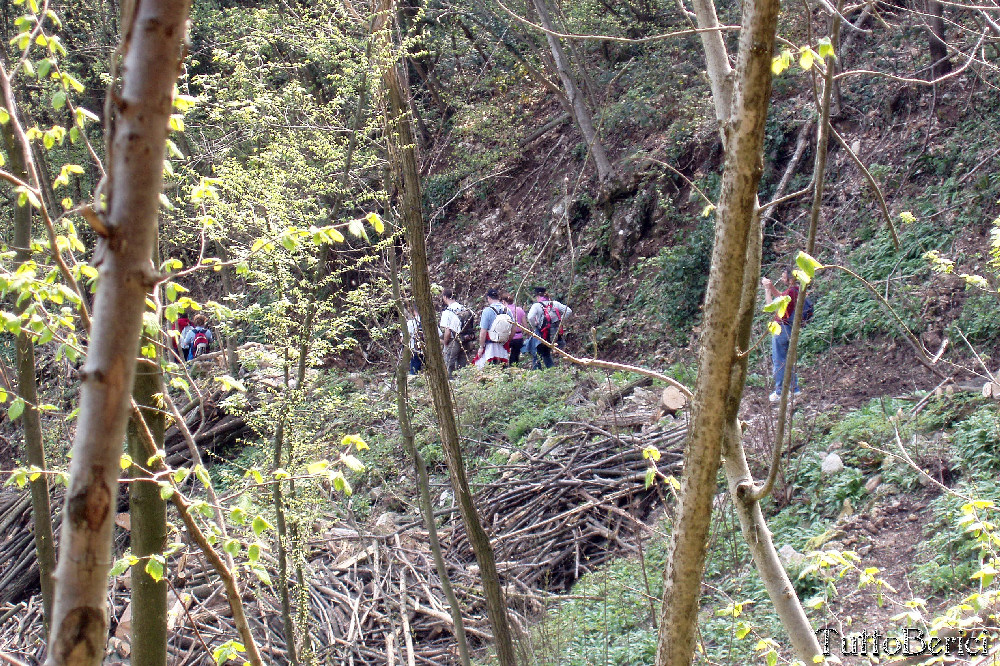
{"x": 752, "y": 523}
{"x": 577, "y": 101}
{"x": 743, "y": 136}
{"x": 27, "y": 388}
{"x": 403, "y": 148}
{"x": 151, "y": 53}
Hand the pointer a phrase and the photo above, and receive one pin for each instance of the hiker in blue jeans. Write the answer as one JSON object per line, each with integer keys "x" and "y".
{"x": 779, "y": 342}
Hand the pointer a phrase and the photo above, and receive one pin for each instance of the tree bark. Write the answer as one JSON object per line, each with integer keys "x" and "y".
{"x": 421, "y": 479}
{"x": 578, "y": 105}
{"x": 27, "y": 388}
{"x": 935, "y": 39}
{"x": 404, "y": 160}
{"x": 148, "y": 513}
{"x": 152, "y": 49}
{"x": 743, "y": 136}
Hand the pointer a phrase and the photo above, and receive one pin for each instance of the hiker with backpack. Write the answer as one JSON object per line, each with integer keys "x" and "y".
{"x": 181, "y": 325}
{"x": 496, "y": 326}
{"x": 521, "y": 321}
{"x": 197, "y": 338}
{"x": 546, "y": 316}
{"x": 779, "y": 342}
{"x": 454, "y": 319}
{"x": 416, "y": 335}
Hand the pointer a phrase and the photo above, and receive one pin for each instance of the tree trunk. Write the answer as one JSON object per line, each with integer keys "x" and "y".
{"x": 404, "y": 159}
{"x": 27, "y": 389}
{"x": 152, "y": 46}
{"x": 148, "y": 513}
{"x": 935, "y": 39}
{"x": 420, "y": 467}
{"x": 578, "y": 105}
{"x": 743, "y": 139}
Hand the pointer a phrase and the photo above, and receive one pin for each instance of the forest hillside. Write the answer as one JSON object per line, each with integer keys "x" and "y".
{"x": 759, "y": 245}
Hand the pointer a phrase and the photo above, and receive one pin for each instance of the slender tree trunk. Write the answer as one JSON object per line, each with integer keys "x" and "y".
{"x": 578, "y": 104}
{"x": 743, "y": 140}
{"x": 401, "y": 139}
{"x": 281, "y": 528}
{"x": 935, "y": 39}
{"x": 420, "y": 468}
{"x": 152, "y": 49}
{"x": 748, "y": 510}
{"x": 27, "y": 388}
{"x": 228, "y": 343}
{"x": 148, "y": 513}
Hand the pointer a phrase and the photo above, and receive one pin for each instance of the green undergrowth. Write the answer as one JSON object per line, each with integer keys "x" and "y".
{"x": 609, "y": 617}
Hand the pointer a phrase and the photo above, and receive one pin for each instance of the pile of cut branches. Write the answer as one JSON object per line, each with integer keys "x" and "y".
{"x": 558, "y": 510}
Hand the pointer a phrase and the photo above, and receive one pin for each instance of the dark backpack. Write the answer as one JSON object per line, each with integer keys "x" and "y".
{"x": 807, "y": 311}
{"x": 465, "y": 316}
{"x": 551, "y": 321}
{"x": 200, "y": 343}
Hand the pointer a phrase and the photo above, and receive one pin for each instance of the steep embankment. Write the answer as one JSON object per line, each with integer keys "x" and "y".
{"x": 512, "y": 206}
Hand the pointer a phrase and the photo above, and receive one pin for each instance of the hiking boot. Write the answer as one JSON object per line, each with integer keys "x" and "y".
{"x": 774, "y": 397}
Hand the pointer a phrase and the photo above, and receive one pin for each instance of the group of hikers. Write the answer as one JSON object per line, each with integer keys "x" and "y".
{"x": 505, "y": 331}
{"x": 193, "y": 336}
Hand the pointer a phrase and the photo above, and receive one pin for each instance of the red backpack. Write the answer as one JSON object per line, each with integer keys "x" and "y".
{"x": 200, "y": 343}
{"x": 550, "y": 321}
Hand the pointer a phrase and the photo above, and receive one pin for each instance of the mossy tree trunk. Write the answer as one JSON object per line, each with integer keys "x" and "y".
{"x": 148, "y": 517}
{"x": 404, "y": 158}
{"x": 27, "y": 388}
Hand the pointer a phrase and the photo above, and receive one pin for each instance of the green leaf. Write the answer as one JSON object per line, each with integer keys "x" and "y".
{"x": 121, "y": 565}
{"x": 376, "y": 222}
{"x": 3, "y": 395}
{"x": 808, "y": 265}
{"x": 771, "y": 658}
{"x": 253, "y": 552}
{"x": 317, "y": 467}
{"x": 356, "y": 228}
{"x": 650, "y": 477}
{"x": 202, "y": 475}
{"x": 125, "y": 461}
{"x": 774, "y": 328}
{"x": 230, "y": 383}
{"x": 806, "y": 58}
{"x": 651, "y": 453}
{"x": 154, "y": 567}
{"x": 238, "y": 515}
{"x": 166, "y": 490}
{"x": 16, "y": 408}
{"x": 59, "y": 100}
{"x": 260, "y": 525}
{"x": 778, "y": 305}
{"x": 354, "y": 440}
{"x": 232, "y": 546}
{"x": 181, "y": 474}
{"x": 4, "y": 116}
{"x": 352, "y": 463}
{"x": 780, "y": 63}
{"x": 825, "y": 48}
{"x": 261, "y": 574}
